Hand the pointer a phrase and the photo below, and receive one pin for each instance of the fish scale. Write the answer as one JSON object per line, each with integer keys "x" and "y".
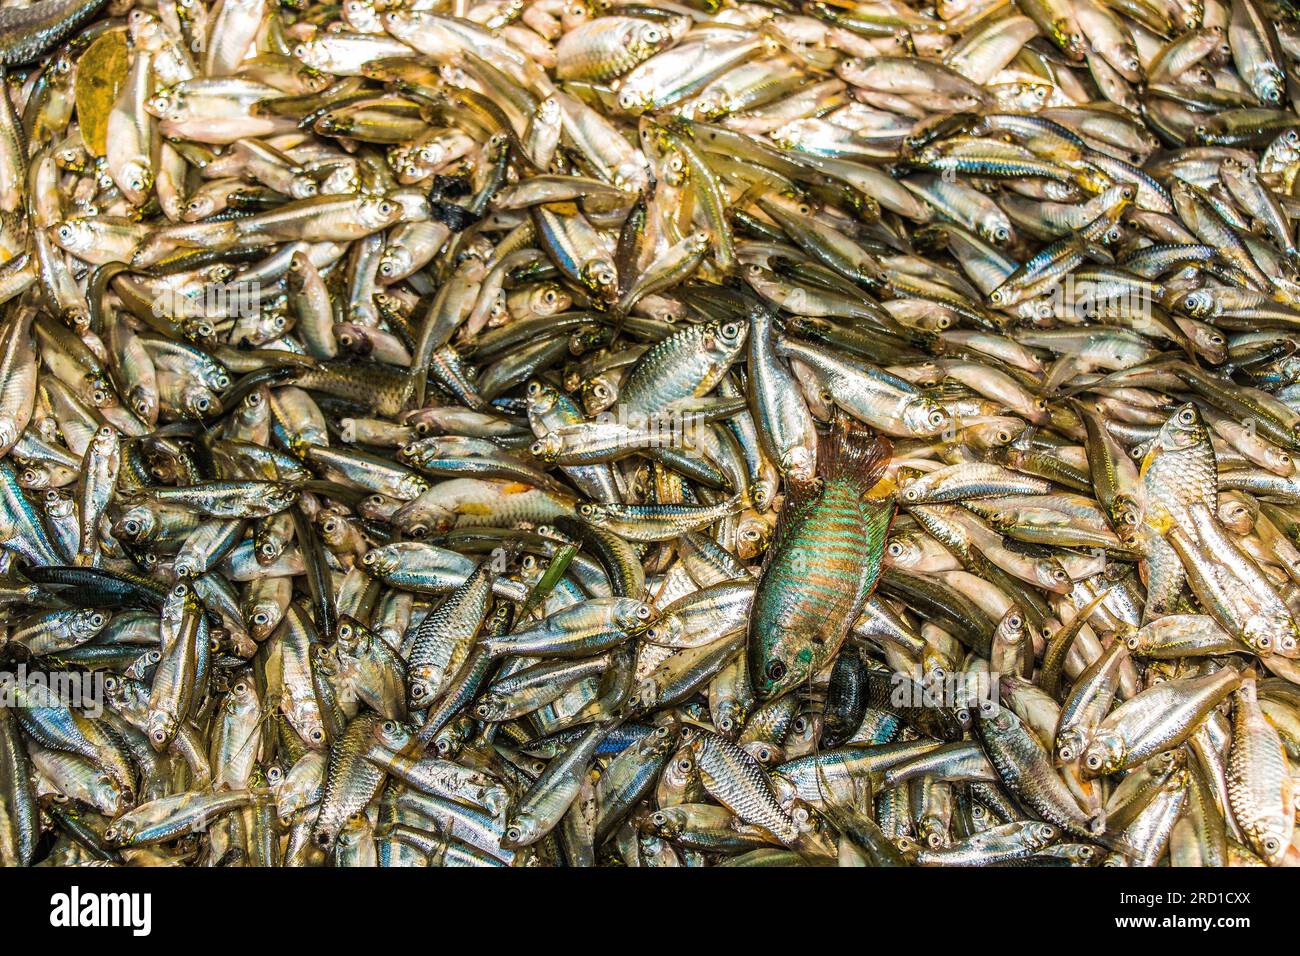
{"x": 737, "y": 781}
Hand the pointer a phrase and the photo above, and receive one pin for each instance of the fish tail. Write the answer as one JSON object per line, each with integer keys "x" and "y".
{"x": 853, "y": 452}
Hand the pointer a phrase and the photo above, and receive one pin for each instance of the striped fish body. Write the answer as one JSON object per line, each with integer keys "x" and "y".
{"x": 822, "y": 566}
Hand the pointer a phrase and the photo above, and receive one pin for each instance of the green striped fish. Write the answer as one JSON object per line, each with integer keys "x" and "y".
{"x": 823, "y": 563}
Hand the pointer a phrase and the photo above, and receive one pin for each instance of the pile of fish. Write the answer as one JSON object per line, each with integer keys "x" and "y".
{"x": 573, "y": 432}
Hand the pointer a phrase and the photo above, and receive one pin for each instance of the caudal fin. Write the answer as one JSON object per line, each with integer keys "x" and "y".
{"x": 853, "y": 452}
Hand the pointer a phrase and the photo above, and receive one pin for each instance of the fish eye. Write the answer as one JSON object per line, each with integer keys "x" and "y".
{"x": 317, "y": 735}
{"x": 643, "y": 612}
{"x": 775, "y": 671}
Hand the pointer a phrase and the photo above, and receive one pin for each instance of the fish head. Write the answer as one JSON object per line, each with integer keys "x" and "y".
{"x": 903, "y": 551}
{"x": 309, "y": 727}
{"x": 547, "y": 448}
{"x": 352, "y": 636}
{"x": 634, "y": 100}
{"x": 598, "y": 394}
{"x": 395, "y": 737}
{"x": 424, "y": 520}
{"x": 763, "y": 492}
{"x": 378, "y": 213}
{"x": 753, "y": 534}
{"x": 668, "y": 823}
{"x": 799, "y": 464}
{"x": 1011, "y": 628}
{"x": 1069, "y": 746}
{"x": 924, "y": 417}
{"x": 522, "y": 829}
{"x": 423, "y": 686}
{"x": 1103, "y": 755}
{"x": 666, "y": 631}
{"x": 542, "y": 398}
{"x": 1051, "y": 574}
{"x": 646, "y": 38}
{"x": 1039, "y": 834}
{"x": 263, "y": 619}
{"x": 549, "y": 298}
{"x": 198, "y": 401}
{"x": 1183, "y": 429}
{"x": 662, "y": 740}
{"x": 997, "y": 720}
{"x": 88, "y": 622}
{"x": 782, "y": 662}
{"x": 136, "y": 181}
{"x": 1126, "y": 518}
{"x": 379, "y": 561}
{"x": 601, "y": 277}
{"x": 160, "y": 729}
{"x": 726, "y": 338}
{"x": 119, "y": 833}
{"x": 635, "y": 616}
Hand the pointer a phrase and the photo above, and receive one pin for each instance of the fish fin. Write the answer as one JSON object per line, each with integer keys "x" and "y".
{"x": 1161, "y": 523}
{"x": 797, "y": 495}
{"x": 854, "y": 453}
{"x": 1060, "y": 372}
